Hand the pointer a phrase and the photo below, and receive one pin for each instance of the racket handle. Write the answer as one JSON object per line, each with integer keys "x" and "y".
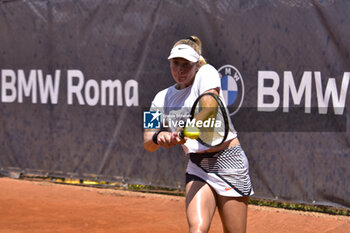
{"x": 181, "y": 134}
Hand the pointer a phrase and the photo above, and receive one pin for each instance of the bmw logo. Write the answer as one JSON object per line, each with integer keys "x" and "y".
{"x": 232, "y": 87}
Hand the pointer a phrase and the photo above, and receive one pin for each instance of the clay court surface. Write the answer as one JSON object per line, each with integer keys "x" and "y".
{"x": 37, "y": 207}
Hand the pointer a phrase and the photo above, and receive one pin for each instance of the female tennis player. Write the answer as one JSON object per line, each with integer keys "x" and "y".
{"x": 215, "y": 176}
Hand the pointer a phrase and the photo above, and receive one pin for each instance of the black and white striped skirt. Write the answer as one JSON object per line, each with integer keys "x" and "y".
{"x": 226, "y": 171}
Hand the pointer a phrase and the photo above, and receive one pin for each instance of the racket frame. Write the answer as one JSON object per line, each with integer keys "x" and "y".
{"x": 224, "y": 113}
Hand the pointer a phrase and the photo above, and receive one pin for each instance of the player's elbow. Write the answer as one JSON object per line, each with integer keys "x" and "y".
{"x": 150, "y": 148}
{"x": 149, "y": 145}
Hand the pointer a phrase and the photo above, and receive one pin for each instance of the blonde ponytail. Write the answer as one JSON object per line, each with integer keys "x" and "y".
{"x": 196, "y": 44}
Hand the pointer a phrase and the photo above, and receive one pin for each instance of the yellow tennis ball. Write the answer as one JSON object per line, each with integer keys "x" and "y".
{"x": 192, "y": 132}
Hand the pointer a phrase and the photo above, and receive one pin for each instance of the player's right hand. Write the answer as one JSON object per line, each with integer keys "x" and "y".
{"x": 178, "y": 139}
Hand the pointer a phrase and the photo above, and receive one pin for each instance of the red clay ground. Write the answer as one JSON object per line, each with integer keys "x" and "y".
{"x": 40, "y": 207}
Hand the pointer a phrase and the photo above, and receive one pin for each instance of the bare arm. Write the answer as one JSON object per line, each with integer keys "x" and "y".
{"x": 164, "y": 139}
{"x": 148, "y": 143}
{"x": 208, "y": 106}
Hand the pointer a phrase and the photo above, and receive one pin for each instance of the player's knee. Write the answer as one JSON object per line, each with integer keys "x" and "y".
{"x": 199, "y": 228}
{"x": 235, "y": 228}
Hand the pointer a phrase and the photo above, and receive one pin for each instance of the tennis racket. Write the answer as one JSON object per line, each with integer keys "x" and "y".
{"x": 211, "y": 125}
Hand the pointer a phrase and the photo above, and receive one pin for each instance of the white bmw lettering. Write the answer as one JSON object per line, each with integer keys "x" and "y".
{"x": 37, "y": 87}
{"x": 269, "y": 97}
{"x": 17, "y": 86}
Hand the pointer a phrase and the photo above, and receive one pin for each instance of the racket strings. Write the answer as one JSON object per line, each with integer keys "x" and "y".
{"x": 214, "y": 131}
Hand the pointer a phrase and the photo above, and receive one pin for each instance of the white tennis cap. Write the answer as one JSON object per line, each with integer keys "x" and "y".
{"x": 184, "y": 51}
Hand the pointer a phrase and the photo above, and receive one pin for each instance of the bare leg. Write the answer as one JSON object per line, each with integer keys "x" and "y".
{"x": 200, "y": 206}
{"x": 233, "y": 213}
